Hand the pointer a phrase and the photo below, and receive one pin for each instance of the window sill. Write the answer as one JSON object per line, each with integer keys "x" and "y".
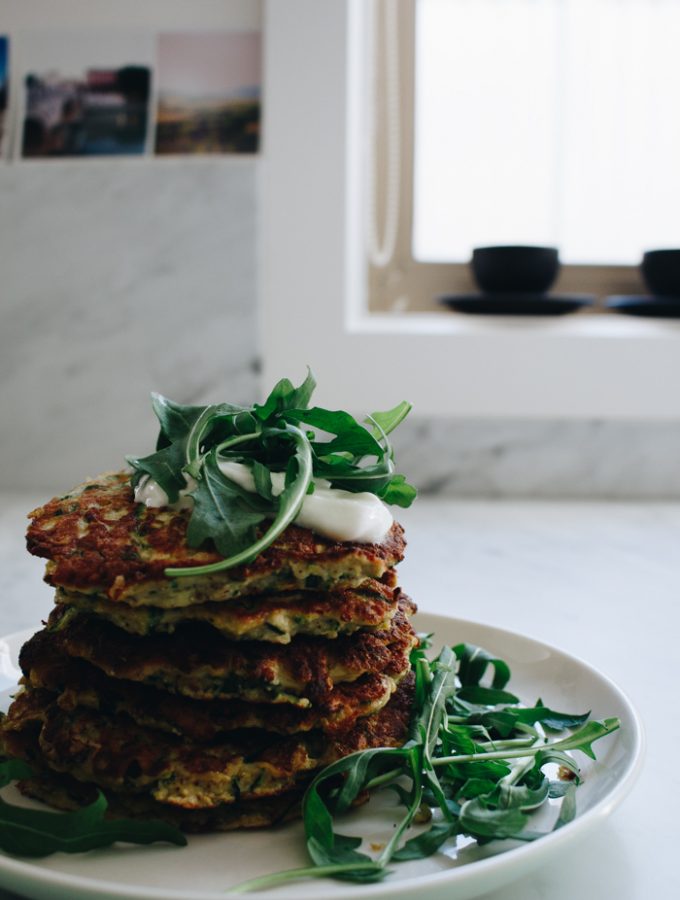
{"x": 595, "y": 366}
{"x": 593, "y": 325}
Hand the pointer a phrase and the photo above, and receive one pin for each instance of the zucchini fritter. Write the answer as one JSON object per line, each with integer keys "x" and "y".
{"x": 117, "y": 754}
{"x": 274, "y": 617}
{"x": 98, "y": 540}
{"x": 208, "y": 701}
{"x": 200, "y": 663}
{"x": 78, "y": 683}
{"x": 64, "y": 792}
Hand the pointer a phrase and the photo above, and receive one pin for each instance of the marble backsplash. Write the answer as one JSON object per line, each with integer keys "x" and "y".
{"x": 119, "y": 278}
{"x": 519, "y": 458}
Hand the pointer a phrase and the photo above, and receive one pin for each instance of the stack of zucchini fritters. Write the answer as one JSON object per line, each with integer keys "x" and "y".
{"x": 209, "y": 701}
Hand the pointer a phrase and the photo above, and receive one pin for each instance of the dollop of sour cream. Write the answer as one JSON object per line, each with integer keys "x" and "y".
{"x": 334, "y": 513}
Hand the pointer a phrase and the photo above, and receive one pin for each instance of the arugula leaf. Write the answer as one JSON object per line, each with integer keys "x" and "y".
{"x": 289, "y": 502}
{"x": 475, "y": 693}
{"x": 175, "y": 420}
{"x": 474, "y": 662}
{"x": 567, "y": 807}
{"x": 13, "y": 770}
{"x": 224, "y": 511}
{"x": 263, "y": 481}
{"x": 350, "y": 436}
{"x": 428, "y": 842}
{"x": 520, "y": 796}
{"x": 384, "y": 422}
{"x": 484, "y": 821}
{"x": 165, "y": 466}
{"x": 284, "y": 396}
{"x": 398, "y": 492}
{"x": 281, "y": 435}
{"x": 38, "y": 833}
{"x": 584, "y": 738}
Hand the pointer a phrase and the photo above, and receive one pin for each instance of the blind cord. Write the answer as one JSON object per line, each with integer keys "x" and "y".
{"x": 382, "y": 248}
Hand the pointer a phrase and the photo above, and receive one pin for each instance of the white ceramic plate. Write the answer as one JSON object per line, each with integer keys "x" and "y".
{"x": 205, "y": 869}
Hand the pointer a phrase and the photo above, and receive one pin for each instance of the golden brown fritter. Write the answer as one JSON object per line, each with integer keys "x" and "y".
{"x": 116, "y": 754}
{"x": 98, "y": 540}
{"x": 64, "y": 792}
{"x": 273, "y": 617}
{"x": 200, "y": 663}
{"x": 78, "y": 683}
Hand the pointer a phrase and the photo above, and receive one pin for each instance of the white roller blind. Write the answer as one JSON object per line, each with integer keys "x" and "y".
{"x": 549, "y": 122}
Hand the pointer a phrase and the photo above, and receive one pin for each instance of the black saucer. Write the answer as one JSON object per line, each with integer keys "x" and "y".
{"x": 654, "y": 307}
{"x": 517, "y": 304}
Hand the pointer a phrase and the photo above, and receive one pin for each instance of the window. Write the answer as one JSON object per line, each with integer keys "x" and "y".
{"x": 313, "y": 306}
{"x": 527, "y": 121}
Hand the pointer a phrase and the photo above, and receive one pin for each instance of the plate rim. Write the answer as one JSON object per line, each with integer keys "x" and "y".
{"x": 499, "y": 869}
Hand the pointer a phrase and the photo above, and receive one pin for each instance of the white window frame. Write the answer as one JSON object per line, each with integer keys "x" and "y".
{"x": 408, "y": 284}
{"x": 313, "y": 306}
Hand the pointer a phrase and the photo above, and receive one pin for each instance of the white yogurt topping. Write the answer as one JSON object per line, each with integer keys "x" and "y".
{"x": 340, "y": 515}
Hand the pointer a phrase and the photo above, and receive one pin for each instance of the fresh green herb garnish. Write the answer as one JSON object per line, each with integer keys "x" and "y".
{"x": 473, "y": 765}
{"x": 282, "y": 435}
{"x": 37, "y": 833}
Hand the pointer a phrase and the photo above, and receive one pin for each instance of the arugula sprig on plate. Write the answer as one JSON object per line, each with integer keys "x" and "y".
{"x": 39, "y": 833}
{"x": 282, "y": 435}
{"x": 473, "y": 765}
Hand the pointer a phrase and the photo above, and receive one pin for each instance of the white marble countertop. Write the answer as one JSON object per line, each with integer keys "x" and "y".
{"x": 599, "y": 580}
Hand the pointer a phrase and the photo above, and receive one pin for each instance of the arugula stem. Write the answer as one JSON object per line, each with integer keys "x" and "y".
{"x": 385, "y": 778}
{"x": 476, "y": 757}
{"x": 509, "y": 744}
{"x": 193, "y": 446}
{"x": 266, "y": 881}
{"x": 235, "y": 441}
{"x": 287, "y": 512}
{"x": 517, "y": 771}
{"x": 520, "y": 753}
{"x": 195, "y": 458}
{"x": 393, "y": 843}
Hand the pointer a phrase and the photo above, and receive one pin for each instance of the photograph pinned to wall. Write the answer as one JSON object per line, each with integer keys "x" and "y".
{"x": 209, "y": 87}
{"x": 4, "y": 91}
{"x": 85, "y": 93}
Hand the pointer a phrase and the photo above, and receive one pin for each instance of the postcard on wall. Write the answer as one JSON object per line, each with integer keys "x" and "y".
{"x": 209, "y": 87}
{"x": 85, "y": 93}
{"x": 4, "y": 92}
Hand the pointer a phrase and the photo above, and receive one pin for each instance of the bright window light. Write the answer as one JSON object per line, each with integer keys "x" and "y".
{"x": 547, "y": 122}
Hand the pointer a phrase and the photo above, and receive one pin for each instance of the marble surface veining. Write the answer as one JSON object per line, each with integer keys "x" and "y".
{"x": 519, "y": 458}
{"x": 118, "y": 279}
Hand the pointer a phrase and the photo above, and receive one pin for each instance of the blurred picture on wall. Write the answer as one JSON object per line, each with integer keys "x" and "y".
{"x": 86, "y": 95}
{"x": 209, "y": 88}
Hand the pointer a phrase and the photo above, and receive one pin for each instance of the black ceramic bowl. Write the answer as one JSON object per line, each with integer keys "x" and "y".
{"x": 515, "y": 269}
{"x": 661, "y": 272}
